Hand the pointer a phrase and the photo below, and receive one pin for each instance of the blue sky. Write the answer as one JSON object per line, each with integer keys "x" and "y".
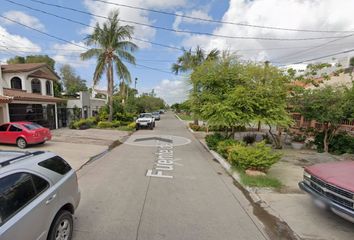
{"x": 327, "y": 14}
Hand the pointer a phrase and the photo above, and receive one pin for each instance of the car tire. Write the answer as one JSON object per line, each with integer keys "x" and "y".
{"x": 62, "y": 225}
{"x": 137, "y": 127}
{"x": 21, "y": 143}
{"x": 151, "y": 127}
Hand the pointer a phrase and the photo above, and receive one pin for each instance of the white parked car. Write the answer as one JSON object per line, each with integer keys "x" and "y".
{"x": 145, "y": 120}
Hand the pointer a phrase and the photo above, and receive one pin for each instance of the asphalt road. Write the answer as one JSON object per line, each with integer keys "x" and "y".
{"x": 191, "y": 197}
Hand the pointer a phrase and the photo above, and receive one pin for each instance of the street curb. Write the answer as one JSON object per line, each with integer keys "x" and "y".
{"x": 236, "y": 177}
{"x": 223, "y": 163}
{"x": 191, "y": 130}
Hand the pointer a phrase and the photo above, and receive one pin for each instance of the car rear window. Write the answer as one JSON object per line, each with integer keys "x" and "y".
{"x": 32, "y": 126}
{"x": 56, "y": 164}
{"x": 16, "y": 191}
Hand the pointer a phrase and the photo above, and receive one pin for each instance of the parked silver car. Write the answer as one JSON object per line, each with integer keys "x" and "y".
{"x": 38, "y": 196}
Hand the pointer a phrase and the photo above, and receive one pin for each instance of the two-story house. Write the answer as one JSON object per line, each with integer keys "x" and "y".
{"x": 27, "y": 94}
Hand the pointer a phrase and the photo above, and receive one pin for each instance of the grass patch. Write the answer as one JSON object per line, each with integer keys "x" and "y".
{"x": 258, "y": 181}
{"x": 124, "y": 128}
{"x": 185, "y": 117}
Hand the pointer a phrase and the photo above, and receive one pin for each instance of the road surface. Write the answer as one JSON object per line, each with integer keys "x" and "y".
{"x": 186, "y": 194}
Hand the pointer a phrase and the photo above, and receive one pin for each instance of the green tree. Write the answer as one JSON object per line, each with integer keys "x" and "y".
{"x": 111, "y": 46}
{"x": 16, "y": 60}
{"x": 325, "y": 106}
{"x": 188, "y": 62}
{"x": 234, "y": 94}
{"x": 72, "y": 82}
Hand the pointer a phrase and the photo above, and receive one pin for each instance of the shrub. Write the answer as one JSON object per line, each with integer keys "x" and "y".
{"x": 132, "y": 125}
{"x": 213, "y": 140}
{"x": 249, "y": 138}
{"x": 267, "y": 139}
{"x": 83, "y": 123}
{"x": 104, "y": 124}
{"x": 196, "y": 127}
{"x": 124, "y": 117}
{"x": 257, "y": 157}
{"x": 223, "y": 147}
{"x": 339, "y": 144}
{"x": 116, "y": 123}
{"x": 299, "y": 138}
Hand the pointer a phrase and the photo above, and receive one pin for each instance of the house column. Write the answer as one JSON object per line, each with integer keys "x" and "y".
{"x": 56, "y": 115}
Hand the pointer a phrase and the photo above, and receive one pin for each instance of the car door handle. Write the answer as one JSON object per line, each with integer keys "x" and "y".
{"x": 50, "y": 199}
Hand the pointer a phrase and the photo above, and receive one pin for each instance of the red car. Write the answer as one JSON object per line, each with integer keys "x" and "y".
{"x": 23, "y": 133}
{"x": 332, "y": 187}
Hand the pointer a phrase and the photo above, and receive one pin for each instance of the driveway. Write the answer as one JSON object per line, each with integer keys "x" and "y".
{"x": 77, "y": 146}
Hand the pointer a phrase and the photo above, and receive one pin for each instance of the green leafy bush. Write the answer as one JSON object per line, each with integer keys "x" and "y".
{"x": 124, "y": 117}
{"x": 257, "y": 157}
{"x": 116, "y": 123}
{"x": 249, "y": 138}
{"x": 83, "y": 123}
{"x": 197, "y": 128}
{"x": 339, "y": 144}
{"x": 213, "y": 140}
{"x": 223, "y": 147}
{"x": 132, "y": 125}
{"x": 104, "y": 124}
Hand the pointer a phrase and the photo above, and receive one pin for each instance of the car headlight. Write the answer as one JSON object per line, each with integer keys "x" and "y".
{"x": 307, "y": 175}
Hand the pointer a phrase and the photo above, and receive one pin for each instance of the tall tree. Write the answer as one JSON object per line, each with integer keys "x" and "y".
{"x": 111, "y": 45}
{"x": 188, "y": 62}
{"x": 325, "y": 106}
{"x": 72, "y": 82}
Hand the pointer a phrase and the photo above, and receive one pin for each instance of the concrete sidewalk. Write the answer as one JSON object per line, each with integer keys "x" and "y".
{"x": 77, "y": 146}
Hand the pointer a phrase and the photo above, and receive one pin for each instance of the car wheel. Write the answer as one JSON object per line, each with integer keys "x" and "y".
{"x": 137, "y": 127}
{"x": 62, "y": 226}
{"x": 21, "y": 143}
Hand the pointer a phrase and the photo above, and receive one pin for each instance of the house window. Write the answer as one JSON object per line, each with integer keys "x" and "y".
{"x": 16, "y": 83}
{"x": 48, "y": 88}
{"x": 36, "y": 86}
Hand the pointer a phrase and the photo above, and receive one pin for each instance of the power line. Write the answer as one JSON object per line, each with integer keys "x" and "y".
{"x": 180, "y": 31}
{"x": 217, "y": 21}
{"x": 325, "y": 56}
{"x": 44, "y": 33}
{"x": 312, "y": 48}
{"x": 74, "y": 44}
{"x": 87, "y": 25}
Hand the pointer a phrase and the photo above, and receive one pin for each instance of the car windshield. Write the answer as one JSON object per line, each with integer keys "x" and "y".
{"x": 145, "y": 115}
{"x": 32, "y": 126}
{"x": 155, "y": 113}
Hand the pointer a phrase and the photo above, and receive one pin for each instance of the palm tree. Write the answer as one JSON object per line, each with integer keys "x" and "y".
{"x": 111, "y": 46}
{"x": 190, "y": 60}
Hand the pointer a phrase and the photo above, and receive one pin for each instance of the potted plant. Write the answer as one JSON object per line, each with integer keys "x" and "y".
{"x": 298, "y": 141}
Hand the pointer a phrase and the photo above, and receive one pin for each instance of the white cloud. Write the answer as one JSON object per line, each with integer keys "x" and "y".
{"x": 24, "y": 19}
{"x": 172, "y": 91}
{"x": 298, "y": 14}
{"x": 196, "y": 14}
{"x": 12, "y": 44}
{"x": 128, "y": 14}
{"x": 70, "y": 54}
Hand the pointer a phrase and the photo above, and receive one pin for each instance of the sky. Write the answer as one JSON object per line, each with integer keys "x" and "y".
{"x": 309, "y": 29}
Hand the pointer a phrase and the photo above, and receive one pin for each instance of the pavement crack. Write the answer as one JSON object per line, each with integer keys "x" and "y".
{"x": 142, "y": 209}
